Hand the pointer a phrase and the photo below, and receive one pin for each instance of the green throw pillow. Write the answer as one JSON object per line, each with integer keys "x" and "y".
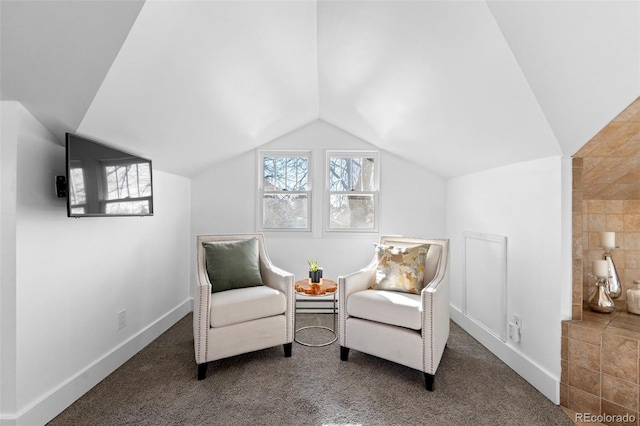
{"x": 233, "y": 264}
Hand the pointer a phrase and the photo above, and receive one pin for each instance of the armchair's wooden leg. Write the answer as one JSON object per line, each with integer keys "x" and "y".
{"x": 287, "y": 349}
{"x": 428, "y": 381}
{"x": 344, "y": 353}
{"x": 202, "y": 371}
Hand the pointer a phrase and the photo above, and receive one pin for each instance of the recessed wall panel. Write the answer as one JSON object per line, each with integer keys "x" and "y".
{"x": 484, "y": 281}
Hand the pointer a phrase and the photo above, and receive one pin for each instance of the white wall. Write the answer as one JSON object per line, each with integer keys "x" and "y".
{"x": 75, "y": 275}
{"x": 412, "y": 203}
{"x": 8, "y": 154}
{"x": 523, "y": 202}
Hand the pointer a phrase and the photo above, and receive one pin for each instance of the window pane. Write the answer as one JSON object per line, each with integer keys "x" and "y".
{"x": 76, "y": 187}
{"x": 285, "y": 173}
{"x": 128, "y": 181}
{"x": 288, "y": 211}
{"x": 351, "y": 174}
{"x": 352, "y": 211}
{"x": 128, "y": 207}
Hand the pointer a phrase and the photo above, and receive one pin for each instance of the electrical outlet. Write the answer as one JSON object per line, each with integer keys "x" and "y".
{"x": 514, "y": 332}
{"x": 122, "y": 319}
{"x": 517, "y": 321}
{"x": 515, "y": 329}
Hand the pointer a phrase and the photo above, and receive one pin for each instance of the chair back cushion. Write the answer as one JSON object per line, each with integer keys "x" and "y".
{"x": 233, "y": 264}
{"x": 432, "y": 262}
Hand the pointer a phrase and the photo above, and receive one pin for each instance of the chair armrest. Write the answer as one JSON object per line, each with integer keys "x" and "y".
{"x": 347, "y": 285}
{"x": 435, "y": 320}
{"x": 356, "y": 281}
{"x": 281, "y": 280}
{"x": 201, "y": 313}
{"x": 275, "y": 277}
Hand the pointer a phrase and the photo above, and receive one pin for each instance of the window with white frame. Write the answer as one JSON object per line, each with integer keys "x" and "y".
{"x": 352, "y": 191}
{"x": 128, "y": 187}
{"x": 285, "y": 190}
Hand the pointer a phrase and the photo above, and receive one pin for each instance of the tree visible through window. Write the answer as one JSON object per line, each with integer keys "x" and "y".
{"x": 128, "y": 188}
{"x": 353, "y": 191}
{"x": 285, "y": 191}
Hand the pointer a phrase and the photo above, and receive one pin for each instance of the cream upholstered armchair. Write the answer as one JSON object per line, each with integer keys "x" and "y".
{"x": 385, "y": 314}
{"x": 243, "y": 303}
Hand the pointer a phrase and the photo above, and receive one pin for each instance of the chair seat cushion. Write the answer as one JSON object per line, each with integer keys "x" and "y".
{"x": 245, "y": 304}
{"x": 388, "y": 307}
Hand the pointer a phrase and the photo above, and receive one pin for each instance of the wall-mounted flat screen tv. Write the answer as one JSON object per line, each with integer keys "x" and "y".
{"x": 103, "y": 181}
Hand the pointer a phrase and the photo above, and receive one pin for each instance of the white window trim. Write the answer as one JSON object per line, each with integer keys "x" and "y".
{"x": 327, "y": 193}
{"x": 260, "y": 192}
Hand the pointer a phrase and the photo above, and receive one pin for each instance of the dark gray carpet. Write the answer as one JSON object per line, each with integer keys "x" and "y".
{"x": 158, "y": 386}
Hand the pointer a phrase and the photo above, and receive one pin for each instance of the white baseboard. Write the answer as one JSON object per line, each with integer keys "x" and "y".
{"x": 533, "y": 373}
{"x": 56, "y": 401}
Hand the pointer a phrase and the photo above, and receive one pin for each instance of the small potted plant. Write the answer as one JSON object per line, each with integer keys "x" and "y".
{"x": 315, "y": 272}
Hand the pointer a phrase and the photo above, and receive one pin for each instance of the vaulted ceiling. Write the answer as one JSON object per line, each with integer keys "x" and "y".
{"x": 456, "y": 86}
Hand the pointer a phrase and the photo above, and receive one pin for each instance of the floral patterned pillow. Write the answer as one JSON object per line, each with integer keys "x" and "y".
{"x": 400, "y": 269}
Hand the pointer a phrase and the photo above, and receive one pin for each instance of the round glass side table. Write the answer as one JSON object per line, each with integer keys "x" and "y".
{"x": 324, "y": 288}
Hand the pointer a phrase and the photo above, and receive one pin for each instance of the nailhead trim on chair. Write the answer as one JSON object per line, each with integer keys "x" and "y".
{"x": 342, "y": 316}
{"x": 203, "y": 298}
{"x": 444, "y": 255}
{"x": 292, "y": 311}
{"x": 430, "y": 341}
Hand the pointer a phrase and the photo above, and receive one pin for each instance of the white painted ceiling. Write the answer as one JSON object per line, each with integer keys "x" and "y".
{"x": 455, "y": 86}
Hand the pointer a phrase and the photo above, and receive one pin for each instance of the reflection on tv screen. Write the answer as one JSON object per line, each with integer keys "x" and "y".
{"x": 104, "y": 181}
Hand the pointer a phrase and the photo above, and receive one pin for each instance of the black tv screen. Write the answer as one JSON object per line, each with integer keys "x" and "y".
{"x": 103, "y": 181}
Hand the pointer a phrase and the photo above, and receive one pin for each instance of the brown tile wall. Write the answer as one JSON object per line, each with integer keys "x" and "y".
{"x": 601, "y": 352}
{"x": 578, "y": 251}
{"x": 601, "y": 364}
{"x": 621, "y": 217}
{"x": 590, "y": 217}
